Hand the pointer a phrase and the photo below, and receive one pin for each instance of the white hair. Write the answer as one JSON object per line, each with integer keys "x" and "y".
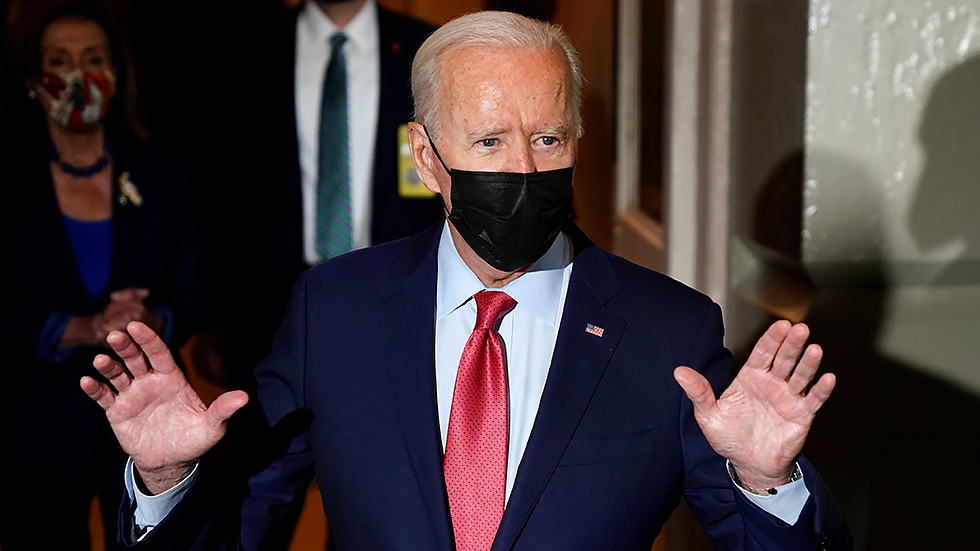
{"x": 488, "y": 29}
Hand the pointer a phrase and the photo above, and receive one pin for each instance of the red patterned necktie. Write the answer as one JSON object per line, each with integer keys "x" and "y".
{"x": 476, "y": 445}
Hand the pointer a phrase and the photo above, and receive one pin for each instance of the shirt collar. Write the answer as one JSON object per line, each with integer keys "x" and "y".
{"x": 362, "y": 30}
{"x": 538, "y": 290}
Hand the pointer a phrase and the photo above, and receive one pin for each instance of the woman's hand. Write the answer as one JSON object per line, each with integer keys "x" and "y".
{"x": 126, "y": 305}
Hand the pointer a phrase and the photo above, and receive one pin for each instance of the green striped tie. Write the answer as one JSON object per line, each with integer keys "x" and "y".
{"x": 333, "y": 215}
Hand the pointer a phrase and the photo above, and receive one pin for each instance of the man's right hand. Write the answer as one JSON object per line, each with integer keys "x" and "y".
{"x": 157, "y": 417}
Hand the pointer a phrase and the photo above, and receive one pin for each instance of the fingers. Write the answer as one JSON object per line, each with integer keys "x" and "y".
{"x": 113, "y": 371}
{"x": 100, "y": 328}
{"x": 127, "y": 350}
{"x": 779, "y": 350}
{"x": 141, "y": 350}
{"x": 119, "y": 314}
{"x": 153, "y": 347}
{"x": 126, "y": 306}
{"x": 97, "y": 391}
{"x": 768, "y": 345}
{"x": 697, "y": 388}
{"x": 129, "y": 293}
{"x": 225, "y": 405}
{"x": 820, "y": 392}
{"x": 806, "y": 369}
{"x": 789, "y": 351}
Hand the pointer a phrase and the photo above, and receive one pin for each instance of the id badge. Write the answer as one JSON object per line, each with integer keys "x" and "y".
{"x": 409, "y": 184}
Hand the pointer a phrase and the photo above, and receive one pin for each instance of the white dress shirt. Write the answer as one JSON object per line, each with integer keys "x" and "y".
{"x": 529, "y": 333}
{"x": 362, "y": 51}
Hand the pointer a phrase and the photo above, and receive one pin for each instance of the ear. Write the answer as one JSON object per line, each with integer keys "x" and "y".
{"x": 427, "y": 166}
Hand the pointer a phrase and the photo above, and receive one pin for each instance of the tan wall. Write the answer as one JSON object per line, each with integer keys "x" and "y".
{"x": 892, "y": 238}
{"x": 893, "y": 140}
{"x": 893, "y": 152}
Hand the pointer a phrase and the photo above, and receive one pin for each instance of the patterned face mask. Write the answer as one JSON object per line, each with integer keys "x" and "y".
{"x": 78, "y": 100}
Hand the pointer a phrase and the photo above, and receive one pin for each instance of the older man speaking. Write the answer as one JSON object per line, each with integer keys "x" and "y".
{"x": 497, "y": 382}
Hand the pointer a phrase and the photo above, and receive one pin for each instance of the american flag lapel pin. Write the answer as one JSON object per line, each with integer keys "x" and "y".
{"x": 593, "y": 330}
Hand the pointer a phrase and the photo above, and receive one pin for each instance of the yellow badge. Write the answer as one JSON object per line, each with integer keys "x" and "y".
{"x": 409, "y": 184}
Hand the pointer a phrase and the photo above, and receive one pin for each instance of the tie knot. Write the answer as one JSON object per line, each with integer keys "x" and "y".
{"x": 491, "y": 306}
{"x": 337, "y": 41}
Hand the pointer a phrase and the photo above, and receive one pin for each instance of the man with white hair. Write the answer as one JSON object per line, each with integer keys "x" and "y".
{"x": 496, "y": 382}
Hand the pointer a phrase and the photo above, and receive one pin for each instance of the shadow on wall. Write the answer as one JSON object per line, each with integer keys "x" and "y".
{"x": 891, "y": 440}
{"x": 946, "y": 209}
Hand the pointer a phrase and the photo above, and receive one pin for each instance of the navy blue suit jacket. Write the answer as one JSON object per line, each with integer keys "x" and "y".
{"x": 613, "y": 449}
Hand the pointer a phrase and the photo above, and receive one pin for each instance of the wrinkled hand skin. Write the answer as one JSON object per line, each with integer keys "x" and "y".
{"x": 159, "y": 420}
{"x": 762, "y": 419}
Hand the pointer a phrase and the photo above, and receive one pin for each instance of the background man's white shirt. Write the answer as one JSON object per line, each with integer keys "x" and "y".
{"x": 362, "y": 51}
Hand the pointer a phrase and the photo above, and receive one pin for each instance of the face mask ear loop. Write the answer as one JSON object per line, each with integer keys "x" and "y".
{"x": 436, "y": 151}
{"x": 438, "y": 156}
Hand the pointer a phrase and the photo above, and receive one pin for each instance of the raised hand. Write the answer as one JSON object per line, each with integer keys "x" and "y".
{"x": 762, "y": 419}
{"x": 157, "y": 417}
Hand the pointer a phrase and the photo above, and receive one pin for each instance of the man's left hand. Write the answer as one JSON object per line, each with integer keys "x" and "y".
{"x": 761, "y": 420}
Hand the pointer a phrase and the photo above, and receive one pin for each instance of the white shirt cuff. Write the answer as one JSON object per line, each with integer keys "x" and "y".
{"x": 151, "y": 510}
{"x": 786, "y": 504}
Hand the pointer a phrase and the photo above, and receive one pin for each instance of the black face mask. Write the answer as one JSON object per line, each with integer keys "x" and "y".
{"x": 509, "y": 219}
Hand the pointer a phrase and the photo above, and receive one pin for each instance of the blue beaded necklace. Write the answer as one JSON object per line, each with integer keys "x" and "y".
{"x": 82, "y": 171}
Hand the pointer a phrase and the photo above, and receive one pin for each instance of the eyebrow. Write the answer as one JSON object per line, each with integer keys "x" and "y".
{"x": 558, "y": 129}
{"x": 483, "y": 133}
{"x": 491, "y": 132}
{"x": 65, "y": 50}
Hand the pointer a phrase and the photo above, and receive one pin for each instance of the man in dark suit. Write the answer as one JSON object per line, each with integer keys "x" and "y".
{"x": 556, "y": 424}
{"x": 270, "y": 209}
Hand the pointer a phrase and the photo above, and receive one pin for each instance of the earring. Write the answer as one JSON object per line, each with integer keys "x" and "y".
{"x": 32, "y": 94}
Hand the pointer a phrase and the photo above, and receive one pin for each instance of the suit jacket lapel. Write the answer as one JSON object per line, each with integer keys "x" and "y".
{"x": 577, "y": 366}
{"x": 408, "y": 321}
